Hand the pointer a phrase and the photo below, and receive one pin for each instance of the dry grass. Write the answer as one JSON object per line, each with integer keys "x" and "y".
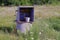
{"x": 40, "y": 11}
{"x": 47, "y": 11}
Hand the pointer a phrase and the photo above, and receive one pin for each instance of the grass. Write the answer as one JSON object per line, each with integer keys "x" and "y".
{"x": 45, "y": 27}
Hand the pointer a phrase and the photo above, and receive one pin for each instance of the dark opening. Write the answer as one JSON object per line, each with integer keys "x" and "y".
{"x": 25, "y": 12}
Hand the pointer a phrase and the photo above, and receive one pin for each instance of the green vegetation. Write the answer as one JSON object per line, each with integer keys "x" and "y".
{"x": 28, "y": 2}
{"x": 43, "y": 28}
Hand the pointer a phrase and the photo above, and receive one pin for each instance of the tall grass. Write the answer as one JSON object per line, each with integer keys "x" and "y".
{"x": 42, "y": 29}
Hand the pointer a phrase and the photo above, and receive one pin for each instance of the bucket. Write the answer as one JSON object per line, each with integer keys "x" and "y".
{"x": 27, "y": 19}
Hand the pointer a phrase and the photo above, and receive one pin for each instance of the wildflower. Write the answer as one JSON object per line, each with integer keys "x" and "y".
{"x": 26, "y": 39}
{"x": 32, "y": 38}
{"x": 39, "y": 33}
{"x": 31, "y": 32}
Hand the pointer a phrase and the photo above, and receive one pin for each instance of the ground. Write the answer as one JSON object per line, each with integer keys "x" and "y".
{"x": 45, "y": 27}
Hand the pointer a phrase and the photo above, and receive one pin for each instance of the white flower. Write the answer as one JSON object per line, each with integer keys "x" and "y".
{"x": 39, "y": 33}
{"x": 26, "y": 39}
{"x": 32, "y": 38}
{"x": 31, "y": 32}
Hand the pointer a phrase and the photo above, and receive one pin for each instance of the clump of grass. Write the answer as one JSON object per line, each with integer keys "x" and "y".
{"x": 55, "y": 23}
